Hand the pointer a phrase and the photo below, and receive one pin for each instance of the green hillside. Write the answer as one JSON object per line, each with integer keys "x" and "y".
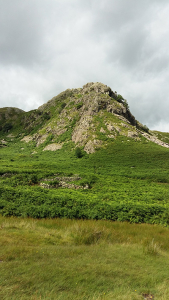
{"x": 85, "y": 157}
{"x": 67, "y": 170}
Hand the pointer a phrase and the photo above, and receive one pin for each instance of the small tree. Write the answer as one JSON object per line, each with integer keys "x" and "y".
{"x": 125, "y": 103}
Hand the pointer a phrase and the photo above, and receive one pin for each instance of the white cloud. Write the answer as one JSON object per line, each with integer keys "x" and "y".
{"x": 48, "y": 46}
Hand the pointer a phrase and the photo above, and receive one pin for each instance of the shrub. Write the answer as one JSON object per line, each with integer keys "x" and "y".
{"x": 142, "y": 127}
{"x": 53, "y": 182}
{"x": 79, "y": 105}
{"x": 145, "y": 128}
{"x": 125, "y": 103}
{"x": 46, "y": 116}
{"x": 89, "y": 180}
{"x": 62, "y": 106}
{"x": 79, "y": 95}
{"x": 33, "y": 179}
{"x": 78, "y": 152}
{"x": 120, "y": 98}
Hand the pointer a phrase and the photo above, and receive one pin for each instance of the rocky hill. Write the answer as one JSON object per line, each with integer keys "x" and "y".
{"x": 90, "y": 117}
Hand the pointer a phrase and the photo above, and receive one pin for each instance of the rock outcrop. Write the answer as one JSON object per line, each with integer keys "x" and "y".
{"x": 90, "y": 117}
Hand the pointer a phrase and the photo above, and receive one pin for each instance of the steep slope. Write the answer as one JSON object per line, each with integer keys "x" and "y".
{"x": 90, "y": 117}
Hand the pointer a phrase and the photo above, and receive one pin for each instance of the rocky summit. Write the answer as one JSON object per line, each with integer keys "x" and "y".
{"x": 90, "y": 117}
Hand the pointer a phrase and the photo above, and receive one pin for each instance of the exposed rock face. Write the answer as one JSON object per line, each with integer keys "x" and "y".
{"x": 3, "y": 142}
{"x": 90, "y": 117}
{"x": 40, "y": 139}
{"x": 27, "y": 139}
{"x": 53, "y": 147}
{"x": 97, "y": 87}
{"x": 155, "y": 140}
{"x": 91, "y": 146}
{"x": 132, "y": 134}
{"x": 81, "y": 130}
{"x": 117, "y": 109}
{"x": 63, "y": 182}
{"x": 64, "y": 185}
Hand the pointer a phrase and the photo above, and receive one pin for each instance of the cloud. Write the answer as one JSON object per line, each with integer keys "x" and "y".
{"x": 47, "y": 46}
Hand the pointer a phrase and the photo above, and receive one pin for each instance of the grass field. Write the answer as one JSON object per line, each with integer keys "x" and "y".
{"x": 76, "y": 259}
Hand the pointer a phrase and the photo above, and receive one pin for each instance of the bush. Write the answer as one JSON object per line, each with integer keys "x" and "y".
{"x": 142, "y": 127}
{"x": 120, "y": 98}
{"x": 46, "y": 116}
{"x": 146, "y": 129}
{"x": 33, "y": 179}
{"x": 62, "y": 106}
{"x": 125, "y": 103}
{"x": 79, "y": 105}
{"x": 78, "y": 152}
{"x": 53, "y": 182}
{"x": 89, "y": 180}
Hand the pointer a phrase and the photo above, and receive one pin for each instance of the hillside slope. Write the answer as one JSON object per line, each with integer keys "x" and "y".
{"x": 91, "y": 117}
{"x": 83, "y": 155}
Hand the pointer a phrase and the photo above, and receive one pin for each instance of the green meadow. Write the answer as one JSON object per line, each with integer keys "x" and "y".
{"x": 82, "y": 259}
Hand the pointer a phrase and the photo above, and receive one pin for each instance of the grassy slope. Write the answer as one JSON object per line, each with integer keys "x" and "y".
{"x": 128, "y": 174}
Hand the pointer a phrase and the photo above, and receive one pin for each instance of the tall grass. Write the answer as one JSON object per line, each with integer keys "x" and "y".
{"x": 75, "y": 259}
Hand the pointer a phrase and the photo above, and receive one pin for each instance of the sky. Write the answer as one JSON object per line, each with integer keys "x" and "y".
{"x": 48, "y": 46}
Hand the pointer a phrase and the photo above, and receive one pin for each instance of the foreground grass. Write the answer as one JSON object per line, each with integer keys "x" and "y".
{"x": 75, "y": 259}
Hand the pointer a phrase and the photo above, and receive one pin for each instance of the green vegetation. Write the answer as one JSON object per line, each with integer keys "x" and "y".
{"x": 77, "y": 259}
{"x": 127, "y": 181}
{"x": 46, "y": 116}
{"x": 78, "y": 152}
{"x": 7, "y": 127}
{"x": 79, "y": 105}
{"x": 120, "y": 98}
{"x": 142, "y": 127}
{"x": 71, "y": 249}
{"x": 62, "y": 106}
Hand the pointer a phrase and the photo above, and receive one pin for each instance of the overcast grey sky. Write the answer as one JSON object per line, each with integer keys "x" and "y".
{"x": 47, "y": 46}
